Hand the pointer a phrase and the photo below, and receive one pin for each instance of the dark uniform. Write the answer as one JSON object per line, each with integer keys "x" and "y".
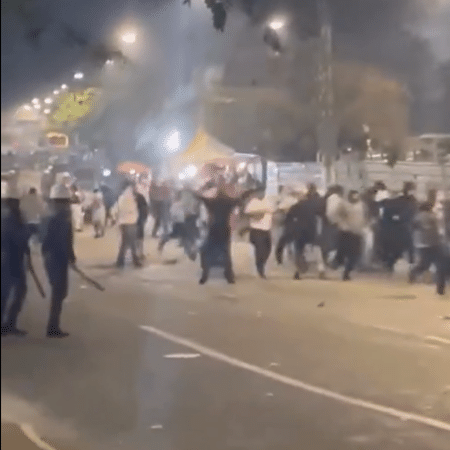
{"x": 396, "y": 234}
{"x": 14, "y": 245}
{"x": 300, "y": 227}
{"x": 216, "y": 249}
{"x": 58, "y": 254}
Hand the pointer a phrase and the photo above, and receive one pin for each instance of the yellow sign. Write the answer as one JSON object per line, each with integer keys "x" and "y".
{"x": 75, "y": 106}
{"x": 58, "y": 140}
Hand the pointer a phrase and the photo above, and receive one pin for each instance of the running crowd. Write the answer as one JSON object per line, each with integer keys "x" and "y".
{"x": 348, "y": 230}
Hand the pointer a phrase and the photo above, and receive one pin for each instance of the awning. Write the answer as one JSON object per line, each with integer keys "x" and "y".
{"x": 203, "y": 149}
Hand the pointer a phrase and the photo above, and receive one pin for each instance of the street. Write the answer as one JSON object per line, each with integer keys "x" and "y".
{"x": 157, "y": 361}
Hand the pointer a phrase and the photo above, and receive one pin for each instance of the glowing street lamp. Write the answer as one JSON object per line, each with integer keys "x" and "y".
{"x": 46, "y": 111}
{"x": 277, "y": 24}
{"x": 129, "y": 37}
{"x": 56, "y": 92}
{"x": 173, "y": 141}
{"x": 48, "y": 101}
{"x": 78, "y": 75}
{"x": 35, "y": 101}
{"x": 37, "y": 106}
{"x": 27, "y": 107}
{"x": 64, "y": 86}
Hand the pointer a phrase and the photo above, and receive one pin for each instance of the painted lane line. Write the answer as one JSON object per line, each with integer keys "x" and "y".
{"x": 182, "y": 355}
{"x": 214, "y": 354}
{"x": 438, "y": 339}
{"x": 31, "y": 435}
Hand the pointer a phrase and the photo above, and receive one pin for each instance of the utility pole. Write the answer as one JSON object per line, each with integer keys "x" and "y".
{"x": 327, "y": 128}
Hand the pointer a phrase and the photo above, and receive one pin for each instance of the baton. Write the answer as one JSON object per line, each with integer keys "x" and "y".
{"x": 87, "y": 279}
{"x": 35, "y": 278}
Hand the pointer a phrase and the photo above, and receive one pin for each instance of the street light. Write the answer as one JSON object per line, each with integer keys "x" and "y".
{"x": 48, "y": 101}
{"x": 37, "y": 106}
{"x": 35, "y": 101}
{"x": 27, "y": 107}
{"x": 277, "y": 24}
{"x": 56, "y": 92}
{"x": 46, "y": 111}
{"x": 129, "y": 37}
{"x": 173, "y": 141}
{"x": 78, "y": 75}
{"x": 64, "y": 86}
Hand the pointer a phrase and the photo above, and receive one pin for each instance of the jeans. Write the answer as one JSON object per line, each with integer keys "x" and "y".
{"x": 349, "y": 251}
{"x": 427, "y": 257}
{"x": 17, "y": 286}
{"x": 128, "y": 241}
{"x": 262, "y": 241}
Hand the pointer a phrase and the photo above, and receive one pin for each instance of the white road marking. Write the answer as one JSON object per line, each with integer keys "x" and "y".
{"x": 31, "y": 435}
{"x": 182, "y": 355}
{"x": 438, "y": 339}
{"x": 214, "y": 354}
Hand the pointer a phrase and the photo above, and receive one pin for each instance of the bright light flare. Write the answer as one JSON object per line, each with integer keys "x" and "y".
{"x": 106, "y": 172}
{"x": 37, "y": 106}
{"x": 277, "y": 24}
{"x": 56, "y": 92}
{"x": 129, "y": 37}
{"x": 35, "y": 101}
{"x": 173, "y": 141}
{"x": 27, "y": 107}
{"x": 48, "y": 101}
{"x": 64, "y": 86}
{"x": 46, "y": 111}
{"x": 78, "y": 75}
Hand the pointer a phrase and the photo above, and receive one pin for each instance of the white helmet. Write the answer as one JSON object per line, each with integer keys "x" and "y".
{"x": 9, "y": 190}
{"x": 59, "y": 191}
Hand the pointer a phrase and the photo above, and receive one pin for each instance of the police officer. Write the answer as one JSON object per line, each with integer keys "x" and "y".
{"x": 58, "y": 254}
{"x": 15, "y": 253}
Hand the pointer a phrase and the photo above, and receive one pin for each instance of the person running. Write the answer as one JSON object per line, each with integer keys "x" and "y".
{"x": 430, "y": 246}
{"x": 177, "y": 215}
{"x": 351, "y": 220}
{"x": 260, "y": 210}
{"x": 396, "y": 234}
{"x": 301, "y": 227}
{"x": 15, "y": 253}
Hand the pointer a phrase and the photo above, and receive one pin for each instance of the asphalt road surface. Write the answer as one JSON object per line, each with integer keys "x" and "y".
{"x": 157, "y": 361}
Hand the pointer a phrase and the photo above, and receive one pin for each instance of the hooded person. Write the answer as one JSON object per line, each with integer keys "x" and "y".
{"x": 15, "y": 252}
{"x": 58, "y": 254}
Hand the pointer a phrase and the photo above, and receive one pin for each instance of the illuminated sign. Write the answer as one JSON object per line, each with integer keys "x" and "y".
{"x": 75, "y": 106}
{"x": 58, "y": 140}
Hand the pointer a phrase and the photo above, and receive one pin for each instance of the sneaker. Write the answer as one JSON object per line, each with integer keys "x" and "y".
{"x": 346, "y": 277}
{"x": 13, "y": 331}
{"x": 57, "y": 334}
{"x": 297, "y": 276}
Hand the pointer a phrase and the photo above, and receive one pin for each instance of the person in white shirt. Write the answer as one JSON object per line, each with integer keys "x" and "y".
{"x": 351, "y": 220}
{"x": 127, "y": 216}
{"x": 260, "y": 210}
{"x": 98, "y": 214}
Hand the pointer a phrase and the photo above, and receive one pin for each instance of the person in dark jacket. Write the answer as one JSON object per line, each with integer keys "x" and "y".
{"x": 142, "y": 219}
{"x": 15, "y": 254}
{"x": 396, "y": 233}
{"x": 217, "y": 245}
{"x": 58, "y": 255}
{"x": 301, "y": 227}
{"x": 430, "y": 246}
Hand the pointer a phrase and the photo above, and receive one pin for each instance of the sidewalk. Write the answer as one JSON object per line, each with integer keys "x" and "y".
{"x": 371, "y": 300}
